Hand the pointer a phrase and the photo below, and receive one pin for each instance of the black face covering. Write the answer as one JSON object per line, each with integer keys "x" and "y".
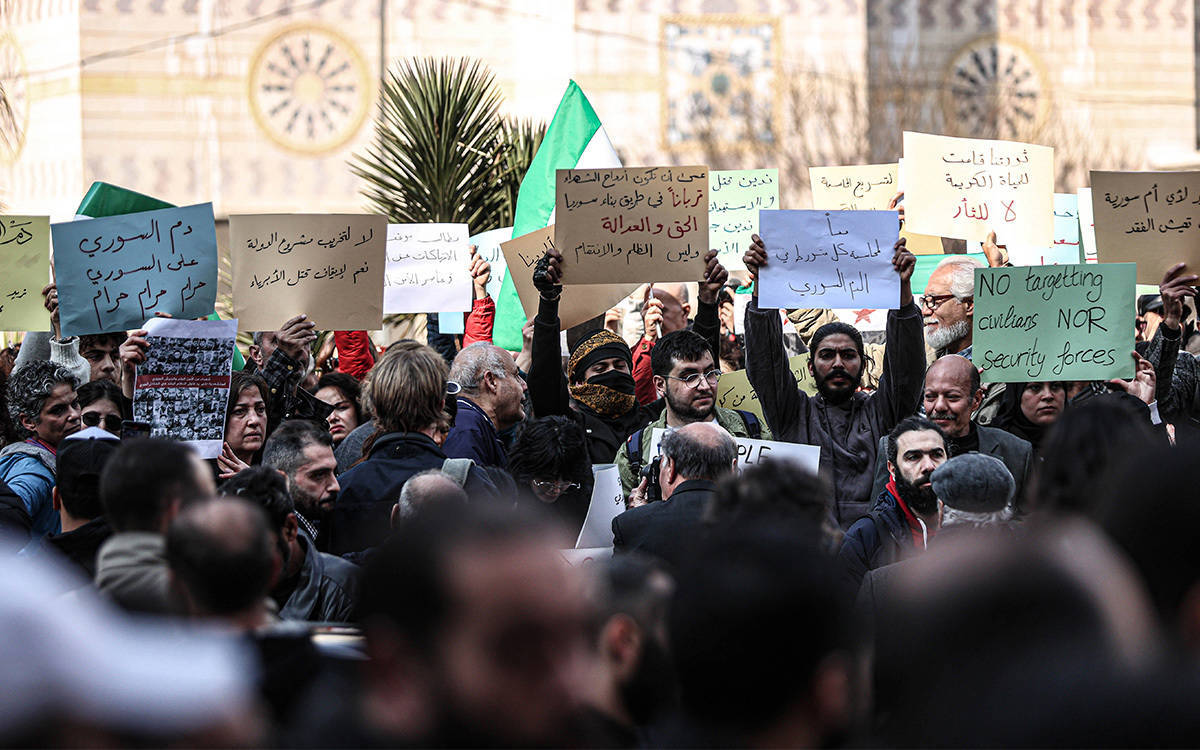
{"x": 621, "y": 382}
{"x": 609, "y": 394}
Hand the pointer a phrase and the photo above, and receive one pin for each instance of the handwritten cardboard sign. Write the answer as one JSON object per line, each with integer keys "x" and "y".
{"x": 734, "y": 391}
{"x": 828, "y": 259}
{"x": 1148, "y": 218}
{"x": 327, "y": 266}
{"x": 578, "y": 303}
{"x": 965, "y": 188}
{"x": 917, "y": 244}
{"x": 24, "y": 270}
{"x": 114, "y": 273}
{"x": 1087, "y": 225}
{"x": 428, "y": 269}
{"x": 867, "y": 187}
{"x": 751, "y": 452}
{"x": 734, "y": 200}
{"x": 182, "y": 389}
{"x": 632, "y": 225}
{"x": 608, "y": 502}
{"x": 1037, "y": 323}
{"x": 1065, "y": 250}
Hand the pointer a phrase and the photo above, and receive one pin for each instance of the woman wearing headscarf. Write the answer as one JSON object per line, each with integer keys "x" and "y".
{"x": 1027, "y": 410}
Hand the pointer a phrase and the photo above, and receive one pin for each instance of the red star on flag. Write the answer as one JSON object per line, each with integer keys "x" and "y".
{"x": 861, "y": 315}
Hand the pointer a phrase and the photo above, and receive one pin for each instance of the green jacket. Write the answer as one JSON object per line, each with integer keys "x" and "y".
{"x": 730, "y": 419}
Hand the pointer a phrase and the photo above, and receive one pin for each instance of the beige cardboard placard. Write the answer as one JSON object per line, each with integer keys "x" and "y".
{"x": 579, "y": 302}
{"x": 734, "y": 391}
{"x": 24, "y": 270}
{"x": 967, "y": 187}
{"x": 866, "y": 187}
{"x": 327, "y": 266}
{"x": 632, "y": 225}
{"x": 1148, "y": 218}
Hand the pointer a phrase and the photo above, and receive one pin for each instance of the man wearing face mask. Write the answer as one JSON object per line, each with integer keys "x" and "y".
{"x": 597, "y": 390}
{"x": 843, "y": 421}
{"x": 907, "y": 514}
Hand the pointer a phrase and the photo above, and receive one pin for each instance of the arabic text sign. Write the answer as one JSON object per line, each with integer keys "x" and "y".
{"x": 114, "y": 273}
{"x": 1066, "y": 248}
{"x": 182, "y": 389}
{"x": 829, "y": 259}
{"x": 608, "y": 502}
{"x": 734, "y": 200}
{"x": 1087, "y": 225}
{"x": 751, "y": 452}
{"x": 578, "y": 303}
{"x": 632, "y": 225}
{"x": 428, "y": 269}
{"x": 24, "y": 270}
{"x": 1036, "y": 323}
{"x": 965, "y": 188}
{"x": 868, "y": 187}
{"x": 734, "y": 391}
{"x": 327, "y": 266}
{"x": 1148, "y": 218}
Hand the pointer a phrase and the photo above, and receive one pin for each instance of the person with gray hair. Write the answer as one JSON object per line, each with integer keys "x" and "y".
{"x": 691, "y": 461}
{"x": 44, "y": 409}
{"x": 426, "y": 489}
{"x": 948, "y": 305}
{"x": 492, "y": 400}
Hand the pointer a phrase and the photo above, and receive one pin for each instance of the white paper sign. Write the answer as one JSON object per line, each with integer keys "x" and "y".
{"x": 751, "y": 451}
{"x": 608, "y": 502}
{"x": 182, "y": 389}
{"x": 1087, "y": 225}
{"x": 428, "y": 269}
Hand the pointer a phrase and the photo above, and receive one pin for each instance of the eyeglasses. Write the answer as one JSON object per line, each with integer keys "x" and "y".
{"x": 551, "y": 487}
{"x": 693, "y": 380}
{"x": 112, "y": 423}
{"x": 934, "y": 302}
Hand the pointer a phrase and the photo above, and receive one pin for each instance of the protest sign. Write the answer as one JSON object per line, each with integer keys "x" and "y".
{"x": 487, "y": 246}
{"x": 182, "y": 389}
{"x": 926, "y": 265}
{"x": 917, "y": 244}
{"x": 578, "y": 303}
{"x": 1065, "y": 250}
{"x": 1038, "y": 323}
{"x": 966, "y": 188}
{"x": 581, "y": 558}
{"x": 869, "y": 187}
{"x": 734, "y": 391}
{"x": 608, "y": 502}
{"x": 428, "y": 269}
{"x": 1087, "y": 225}
{"x": 115, "y": 272}
{"x": 329, "y": 267}
{"x": 632, "y": 225}
{"x": 751, "y": 452}
{"x": 24, "y": 271}
{"x": 828, "y": 259}
{"x": 1148, "y": 218}
{"x": 734, "y": 200}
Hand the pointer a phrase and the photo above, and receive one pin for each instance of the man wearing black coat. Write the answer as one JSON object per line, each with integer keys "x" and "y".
{"x": 694, "y": 457}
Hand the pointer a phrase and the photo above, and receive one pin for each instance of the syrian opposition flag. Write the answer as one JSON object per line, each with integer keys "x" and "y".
{"x": 574, "y": 140}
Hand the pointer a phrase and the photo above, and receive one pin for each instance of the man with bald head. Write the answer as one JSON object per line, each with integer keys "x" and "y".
{"x": 692, "y": 459}
{"x": 951, "y": 395}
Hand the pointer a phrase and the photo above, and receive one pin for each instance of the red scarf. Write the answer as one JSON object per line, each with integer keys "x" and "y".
{"x": 914, "y": 526}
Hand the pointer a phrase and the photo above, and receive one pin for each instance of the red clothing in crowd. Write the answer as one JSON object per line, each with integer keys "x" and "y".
{"x": 356, "y": 353}
{"x": 914, "y": 526}
{"x": 643, "y": 374}
{"x": 480, "y": 321}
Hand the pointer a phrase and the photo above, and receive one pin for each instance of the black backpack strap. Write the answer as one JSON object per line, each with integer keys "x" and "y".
{"x": 753, "y": 425}
{"x": 633, "y": 450}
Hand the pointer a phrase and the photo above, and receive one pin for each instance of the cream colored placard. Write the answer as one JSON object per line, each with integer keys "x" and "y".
{"x": 734, "y": 391}
{"x": 1148, "y": 218}
{"x": 329, "y": 267}
{"x": 632, "y": 225}
{"x": 865, "y": 187}
{"x": 579, "y": 302}
{"x": 966, "y": 187}
{"x": 917, "y": 244}
{"x": 24, "y": 270}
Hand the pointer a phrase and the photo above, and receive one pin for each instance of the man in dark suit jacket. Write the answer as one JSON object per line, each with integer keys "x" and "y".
{"x": 952, "y": 394}
{"x": 693, "y": 458}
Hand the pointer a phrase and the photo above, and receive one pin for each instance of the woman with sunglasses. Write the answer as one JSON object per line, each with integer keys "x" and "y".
{"x": 550, "y": 464}
{"x": 102, "y": 404}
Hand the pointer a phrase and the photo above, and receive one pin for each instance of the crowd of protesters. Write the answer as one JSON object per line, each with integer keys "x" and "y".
{"x": 381, "y": 553}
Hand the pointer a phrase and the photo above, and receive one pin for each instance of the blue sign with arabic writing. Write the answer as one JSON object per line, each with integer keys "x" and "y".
{"x": 114, "y": 273}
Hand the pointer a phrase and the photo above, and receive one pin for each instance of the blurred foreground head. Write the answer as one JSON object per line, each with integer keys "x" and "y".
{"x": 476, "y": 630}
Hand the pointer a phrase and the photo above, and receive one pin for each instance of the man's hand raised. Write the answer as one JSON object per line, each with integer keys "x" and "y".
{"x": 755, "y": 258}
{"x": 547, "y": 275}
{"x": 1174, "y": 287}
{"x": 715, "y": 277}
{"x": 905, "y": 263}
{"x": 296, "y": 337}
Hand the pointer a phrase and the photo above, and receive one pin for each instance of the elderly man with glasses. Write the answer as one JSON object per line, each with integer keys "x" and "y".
{"x": 687, "y": 378}
{"x": 948, "y": 305}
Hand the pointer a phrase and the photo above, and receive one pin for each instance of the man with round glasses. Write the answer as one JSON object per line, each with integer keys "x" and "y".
{"x": 687, "y": 378}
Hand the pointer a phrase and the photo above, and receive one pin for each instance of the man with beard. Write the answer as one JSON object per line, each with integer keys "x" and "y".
{"x": 907, "y": 513}
{"x": 844, "y": 422}
{"x": 303, "y": 453}
{"x": 635, "y": 682}
{"x": 948, "y": 305}
{"x": 686, "y": 377}
{"x": 952, "y": 394}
